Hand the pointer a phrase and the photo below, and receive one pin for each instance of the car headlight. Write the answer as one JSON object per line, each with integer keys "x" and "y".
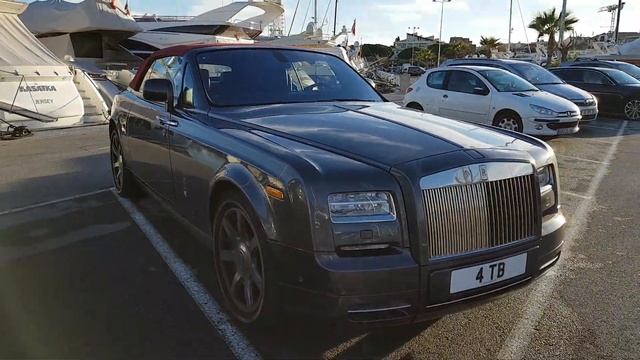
{"x": 361, "y": 207}
{"x": 547, "y": 189}
{"x": 543, "y": 110}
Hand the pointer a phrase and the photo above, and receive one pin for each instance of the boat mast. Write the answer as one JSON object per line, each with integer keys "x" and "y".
{"x": 335, "y": 18}
{"x": 510, "y": 16}
{"x": 315, "y": 13}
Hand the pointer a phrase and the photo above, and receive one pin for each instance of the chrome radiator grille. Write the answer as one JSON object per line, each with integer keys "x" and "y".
{"x": 482, "y": 215}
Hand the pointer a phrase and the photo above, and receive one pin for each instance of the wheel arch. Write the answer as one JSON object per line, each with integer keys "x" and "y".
{"x": 415, "y": 105}
{"x": 504, "y": 111}
{"x": 236, "y": 177}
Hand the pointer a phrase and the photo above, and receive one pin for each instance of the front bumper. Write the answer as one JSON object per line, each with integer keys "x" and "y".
{"x": 393, "y": 288}
{"x": 589, "y": 113}
{"x": 551, "y": 126}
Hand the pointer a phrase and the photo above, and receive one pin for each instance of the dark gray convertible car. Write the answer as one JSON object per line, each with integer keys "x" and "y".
{"x": 317, "y": 195}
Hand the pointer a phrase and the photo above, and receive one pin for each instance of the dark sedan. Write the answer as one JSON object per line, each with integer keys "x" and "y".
{"x": 630, "y": 69}
{"x": 617, "y": 92}
{"x": 317, "y": 195}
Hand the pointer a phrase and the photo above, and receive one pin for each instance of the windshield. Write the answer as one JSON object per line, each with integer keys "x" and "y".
{"x": 536, "y": 75}
{"x": 507, "y": 82}
{"x": 620, "y": 77}
{"x": 630, "y": 69}
{"x": 245, "y": 77}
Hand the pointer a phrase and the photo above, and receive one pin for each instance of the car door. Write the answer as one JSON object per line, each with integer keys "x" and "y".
{"x": 603, "y": 88}
{"x": 193, "y": 163}
{"x": 466, "y": 98}
{"x": 432, "y": 97}
{"x": 147, "y": 126}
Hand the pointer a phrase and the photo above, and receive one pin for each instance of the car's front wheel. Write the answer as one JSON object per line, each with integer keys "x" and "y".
{"x": 508, "y": 120}
{"x": 241, "y": 261}
{"x": 632, "y": 109}
{"x": 123, "y": 181}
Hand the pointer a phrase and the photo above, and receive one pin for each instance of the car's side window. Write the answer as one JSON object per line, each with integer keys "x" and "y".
{"x": 436, "y": 79}
{"x": 594, "y": 77}
{"x": 570, "y": 75}
{"x": 465, "y": 82}
{"x": 188, "y": 85}
{"x": 169, "y": 68}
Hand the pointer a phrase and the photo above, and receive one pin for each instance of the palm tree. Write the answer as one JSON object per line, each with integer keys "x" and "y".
{"x": 489, "y": 43}
{"x": 548, "y": 23}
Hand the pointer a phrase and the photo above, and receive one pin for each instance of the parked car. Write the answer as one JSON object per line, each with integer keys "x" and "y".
{"x": 495, "y": 97}
{"x": 607, "y": 64}
{"x": 542, "y": 79}
{"x": 617, "y": 92}
{"x": 413, "y": 70}
{"x": 317, "y": 195}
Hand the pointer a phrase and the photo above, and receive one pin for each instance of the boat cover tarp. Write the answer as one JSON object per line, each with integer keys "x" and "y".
{"x": 63, "y": 17}
{"x": 631, "y": 48}
{"x": 20, "y": 52}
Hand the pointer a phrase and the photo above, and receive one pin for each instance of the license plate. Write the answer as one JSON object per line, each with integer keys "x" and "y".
{"x": 565, "y": 131}
{"x": 487, "y": 274}
{"x": 588, "y": 112}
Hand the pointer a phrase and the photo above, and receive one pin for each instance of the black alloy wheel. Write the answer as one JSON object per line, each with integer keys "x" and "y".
{"x": 239, "y": 261}
{"x": 123, "y": 180}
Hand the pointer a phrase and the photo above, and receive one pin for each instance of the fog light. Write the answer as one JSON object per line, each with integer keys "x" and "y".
{"x": 539, "y": 127}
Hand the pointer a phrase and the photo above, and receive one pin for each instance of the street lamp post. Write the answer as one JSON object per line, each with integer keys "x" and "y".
{"x": 412, "y": 47}
{"x": 440, "y": 35}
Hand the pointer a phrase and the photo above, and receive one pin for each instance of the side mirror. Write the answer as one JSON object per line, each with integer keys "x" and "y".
{"x": 159, "y": 90}
{"x": 480, "y": 91}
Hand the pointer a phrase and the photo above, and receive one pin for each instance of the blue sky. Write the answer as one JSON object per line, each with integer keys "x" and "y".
{"x": 380, "y": 21}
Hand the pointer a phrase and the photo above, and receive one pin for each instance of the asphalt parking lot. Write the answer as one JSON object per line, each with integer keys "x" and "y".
{"x": 84, "y": 275}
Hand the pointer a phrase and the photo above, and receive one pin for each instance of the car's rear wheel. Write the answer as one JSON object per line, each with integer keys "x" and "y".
{"x": 241, "y": 261}
{"x": 508, "y": 120}
{"x": 415, "y": 106}
{"x": 632, "y": 109}
{"x": 123, "y": 180}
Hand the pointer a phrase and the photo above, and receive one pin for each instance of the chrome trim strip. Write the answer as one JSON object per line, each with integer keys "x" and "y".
{"x": 548, "y": 263}
{"x": 378, "y": 309}
{"x": 476, "y": 173}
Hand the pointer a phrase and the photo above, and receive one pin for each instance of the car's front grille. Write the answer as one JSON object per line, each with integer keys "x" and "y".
{"x": 587, "y": 102}
{"x": 483, "y": 215}
{"x": 562, "y": 125}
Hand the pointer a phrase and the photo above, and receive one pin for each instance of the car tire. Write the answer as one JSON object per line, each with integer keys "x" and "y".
{"x": 509, "y": 120}
{"x": 123, "y": 180}
{"x": 415, "y": 106}
{"x": 243, "y": 265}
{"x": 632, "y": 109}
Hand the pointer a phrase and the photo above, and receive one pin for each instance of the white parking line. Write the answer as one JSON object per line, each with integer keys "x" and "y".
{"x": 564, "y": 192}
{"x": 521, "y": 335}
{"x": 29, "y": 207}
{"x": 236, "y": 341}
{"x": 582, "y": 159}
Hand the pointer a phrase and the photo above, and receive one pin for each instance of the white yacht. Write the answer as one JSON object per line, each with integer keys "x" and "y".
{"x": 36, "y": 87}
{"x": 86, "y": 35}
{"x": 236, "y": 22}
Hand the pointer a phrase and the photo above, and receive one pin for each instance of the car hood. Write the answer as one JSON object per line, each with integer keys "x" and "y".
{"x": 566, "y": 91}
{"x": 545, "y": 99}
{"x": 381, "y": 133}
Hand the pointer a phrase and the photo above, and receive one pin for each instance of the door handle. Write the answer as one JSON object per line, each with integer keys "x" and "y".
{"x": 166, "y": 121}
{"x": 445, "y": 96}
